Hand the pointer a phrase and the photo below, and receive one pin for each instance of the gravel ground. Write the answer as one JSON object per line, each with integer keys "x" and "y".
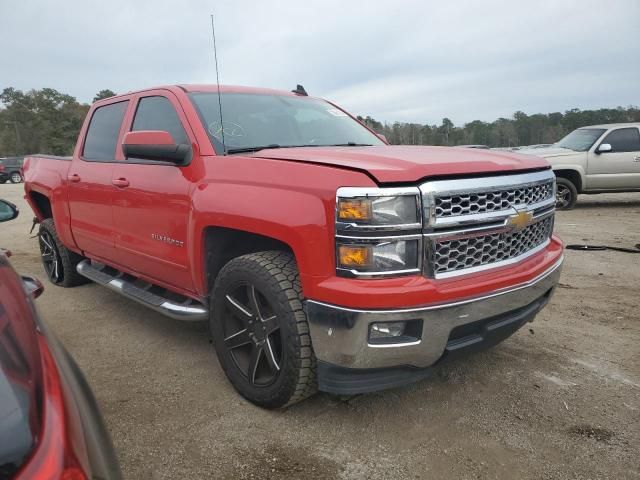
{"x": 559, "y": 399}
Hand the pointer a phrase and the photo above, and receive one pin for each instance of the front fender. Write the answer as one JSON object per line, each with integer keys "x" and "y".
{"x": 574, "y": 168}
{"x": 303, "y": 221}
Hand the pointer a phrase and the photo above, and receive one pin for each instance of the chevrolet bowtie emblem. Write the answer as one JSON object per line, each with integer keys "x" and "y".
{"x": 520, "y": 220}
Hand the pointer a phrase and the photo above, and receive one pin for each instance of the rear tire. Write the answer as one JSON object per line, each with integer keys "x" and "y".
{"x": 260, "y": 330}
{"x": 59, "y": 262}
{"x": 566, "y": 194}
{"x": 16, "y": 177}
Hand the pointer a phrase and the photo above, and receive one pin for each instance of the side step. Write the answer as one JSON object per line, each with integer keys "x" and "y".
{"x": 158, "y": 299}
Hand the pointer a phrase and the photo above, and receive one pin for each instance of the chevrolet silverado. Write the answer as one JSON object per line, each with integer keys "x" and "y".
{"x": 322, "y": 257}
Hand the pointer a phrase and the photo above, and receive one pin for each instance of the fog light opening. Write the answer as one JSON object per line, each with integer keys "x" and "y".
{"x": 403, "y": 332}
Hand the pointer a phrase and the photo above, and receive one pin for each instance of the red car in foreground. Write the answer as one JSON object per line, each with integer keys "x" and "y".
{"x": 50, "y": 425}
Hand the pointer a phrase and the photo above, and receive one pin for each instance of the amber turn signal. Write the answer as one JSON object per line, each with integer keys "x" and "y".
{"x": 354, "y": 209}
{"x": 352, "y": 256}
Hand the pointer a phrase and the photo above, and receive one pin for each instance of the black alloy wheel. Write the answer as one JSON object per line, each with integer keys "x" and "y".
{"x": 260, "y": 330}
{"x": 58, "y": 261}
{"x": 51, "y": 259}
{"x": 252, "y": 334}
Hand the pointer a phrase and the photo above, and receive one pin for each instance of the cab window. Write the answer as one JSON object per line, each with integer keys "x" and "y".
{"x": 157, "y": 113}
{"x": 102, "y": 135}
{"x": 624, "y": 140}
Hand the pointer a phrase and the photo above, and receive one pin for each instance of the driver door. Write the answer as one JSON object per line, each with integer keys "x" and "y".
{"x": 618, "y": 169}
{"x": 152, "y": 202}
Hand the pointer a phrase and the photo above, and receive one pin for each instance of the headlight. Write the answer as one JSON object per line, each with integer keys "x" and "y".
{"x": 378, "y": 256}
{"x": 362, "y": 208}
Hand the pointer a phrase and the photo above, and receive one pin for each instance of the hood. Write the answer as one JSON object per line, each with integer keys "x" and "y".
{"x": 395, "y": 164}
{"x": 550, "y": 152}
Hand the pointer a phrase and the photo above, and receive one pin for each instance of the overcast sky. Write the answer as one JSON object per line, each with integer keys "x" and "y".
{"x": 397, "y": 60}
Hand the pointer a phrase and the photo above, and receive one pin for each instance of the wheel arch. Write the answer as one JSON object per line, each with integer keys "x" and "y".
{"x": 40, "y": 204}
{"x": 223, "y": 244}
{"x": 573, "y": 175}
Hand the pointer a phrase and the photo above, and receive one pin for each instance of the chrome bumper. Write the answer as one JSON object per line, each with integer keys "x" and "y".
{"x": 340, "y": 335}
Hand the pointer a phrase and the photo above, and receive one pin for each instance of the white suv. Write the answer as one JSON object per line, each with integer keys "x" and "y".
{"x": 595, "y": 159}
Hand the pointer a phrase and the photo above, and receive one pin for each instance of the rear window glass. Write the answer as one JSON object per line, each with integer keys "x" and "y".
{"x": 102, "y": 135}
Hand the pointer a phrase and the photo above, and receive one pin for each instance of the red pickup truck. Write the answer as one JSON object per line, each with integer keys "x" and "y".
{"x": 322, "y": 257}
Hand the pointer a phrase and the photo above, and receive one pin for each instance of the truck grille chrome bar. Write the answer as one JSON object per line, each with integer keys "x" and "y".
{"x": 476, "y": 224}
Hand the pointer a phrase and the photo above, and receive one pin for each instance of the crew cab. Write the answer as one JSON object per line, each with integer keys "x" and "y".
{"x": 50, "y": 424}
{"x": 322, "y": 257}
{"x": 595, "y": 159}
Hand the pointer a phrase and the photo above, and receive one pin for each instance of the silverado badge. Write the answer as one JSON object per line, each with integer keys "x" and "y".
{"x": 169, "y": 240}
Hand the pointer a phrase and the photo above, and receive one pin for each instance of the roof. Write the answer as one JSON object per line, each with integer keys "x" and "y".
{"x": 234, "y": 89}
{"x": 205, "y": 88}
{"x": 613, "y": 125}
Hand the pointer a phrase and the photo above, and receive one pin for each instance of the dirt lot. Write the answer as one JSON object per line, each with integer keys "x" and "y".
{"x": 560, "y": 399}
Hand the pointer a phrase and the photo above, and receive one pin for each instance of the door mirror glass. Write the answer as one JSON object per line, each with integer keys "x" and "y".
{"x": 155, "y": 145}
{"x": 604, "y": 147}
{"x": 8, "y": 211}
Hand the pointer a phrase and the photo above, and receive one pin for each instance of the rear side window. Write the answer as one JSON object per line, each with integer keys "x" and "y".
{"x": 624, "y": 140}
{"x": 102, "y": 135}
{"x": 157, "y": 113}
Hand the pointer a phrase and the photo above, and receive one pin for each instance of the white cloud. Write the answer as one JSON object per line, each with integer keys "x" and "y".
{"x": 404, "y": 60}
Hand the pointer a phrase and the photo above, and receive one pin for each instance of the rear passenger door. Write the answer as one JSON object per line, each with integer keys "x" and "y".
{"x": 152, "y": 212}
{"x": 618, "y": 169}
{"x": 89, "y": 178}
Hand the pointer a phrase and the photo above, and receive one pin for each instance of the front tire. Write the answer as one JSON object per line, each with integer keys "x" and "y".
{"x": 59, "y": 262}
{"x": 566, "y": 194}
{"x": 260, "y": 330}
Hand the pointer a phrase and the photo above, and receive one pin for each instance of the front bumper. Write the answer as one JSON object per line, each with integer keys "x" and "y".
{"x": 340, "y": 335}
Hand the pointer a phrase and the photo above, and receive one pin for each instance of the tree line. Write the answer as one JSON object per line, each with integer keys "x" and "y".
{"x": 40, "y": 121}
{"x": 47, "y": 121}
{"x": 521, "y": 129}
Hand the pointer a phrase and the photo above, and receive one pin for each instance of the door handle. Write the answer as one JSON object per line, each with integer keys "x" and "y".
{"x": 120, "y": 182}
{"x": 636, "y": 159}
{"x": 74, "y": 177}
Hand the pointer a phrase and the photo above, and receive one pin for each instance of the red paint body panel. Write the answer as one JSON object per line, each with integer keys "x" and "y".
{"x": 401, "y": 164}
{"x": 284, "y": 194}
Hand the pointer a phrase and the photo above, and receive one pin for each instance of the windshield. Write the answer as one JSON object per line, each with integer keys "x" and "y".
{"x": 257, "y": 121}
{"x": 581, "y": 140}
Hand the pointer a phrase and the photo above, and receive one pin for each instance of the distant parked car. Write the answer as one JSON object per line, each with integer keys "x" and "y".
{"x": 50, "y": 425}
{"x": 485, "y": 147}
{"x": 11, "y": 169}
{"x": 595, "y": 159}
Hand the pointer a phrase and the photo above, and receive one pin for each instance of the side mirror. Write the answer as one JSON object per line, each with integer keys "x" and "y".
{"x": 604, "y": 147}
{"x": 382, "y": 137}
{"x": 155, "y": 145}
{"x": 8, "y": 211}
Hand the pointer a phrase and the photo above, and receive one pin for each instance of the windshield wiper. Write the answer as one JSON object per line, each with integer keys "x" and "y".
{"x": 253, "y": 149}
{"x": 275, "y": 145}
{"x": 350, "y": 144}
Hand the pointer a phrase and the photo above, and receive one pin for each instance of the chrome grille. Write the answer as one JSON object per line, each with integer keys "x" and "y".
{"x": 480, "y": 223}
{"x": 476, "y": 251}
{"x": 492, "y": 201}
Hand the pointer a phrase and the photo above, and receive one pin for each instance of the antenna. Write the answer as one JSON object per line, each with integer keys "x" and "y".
{"x": 215, "y": 56}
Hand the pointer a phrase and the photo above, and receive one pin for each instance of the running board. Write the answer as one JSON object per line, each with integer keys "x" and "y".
{"x": 147, "y": 294}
